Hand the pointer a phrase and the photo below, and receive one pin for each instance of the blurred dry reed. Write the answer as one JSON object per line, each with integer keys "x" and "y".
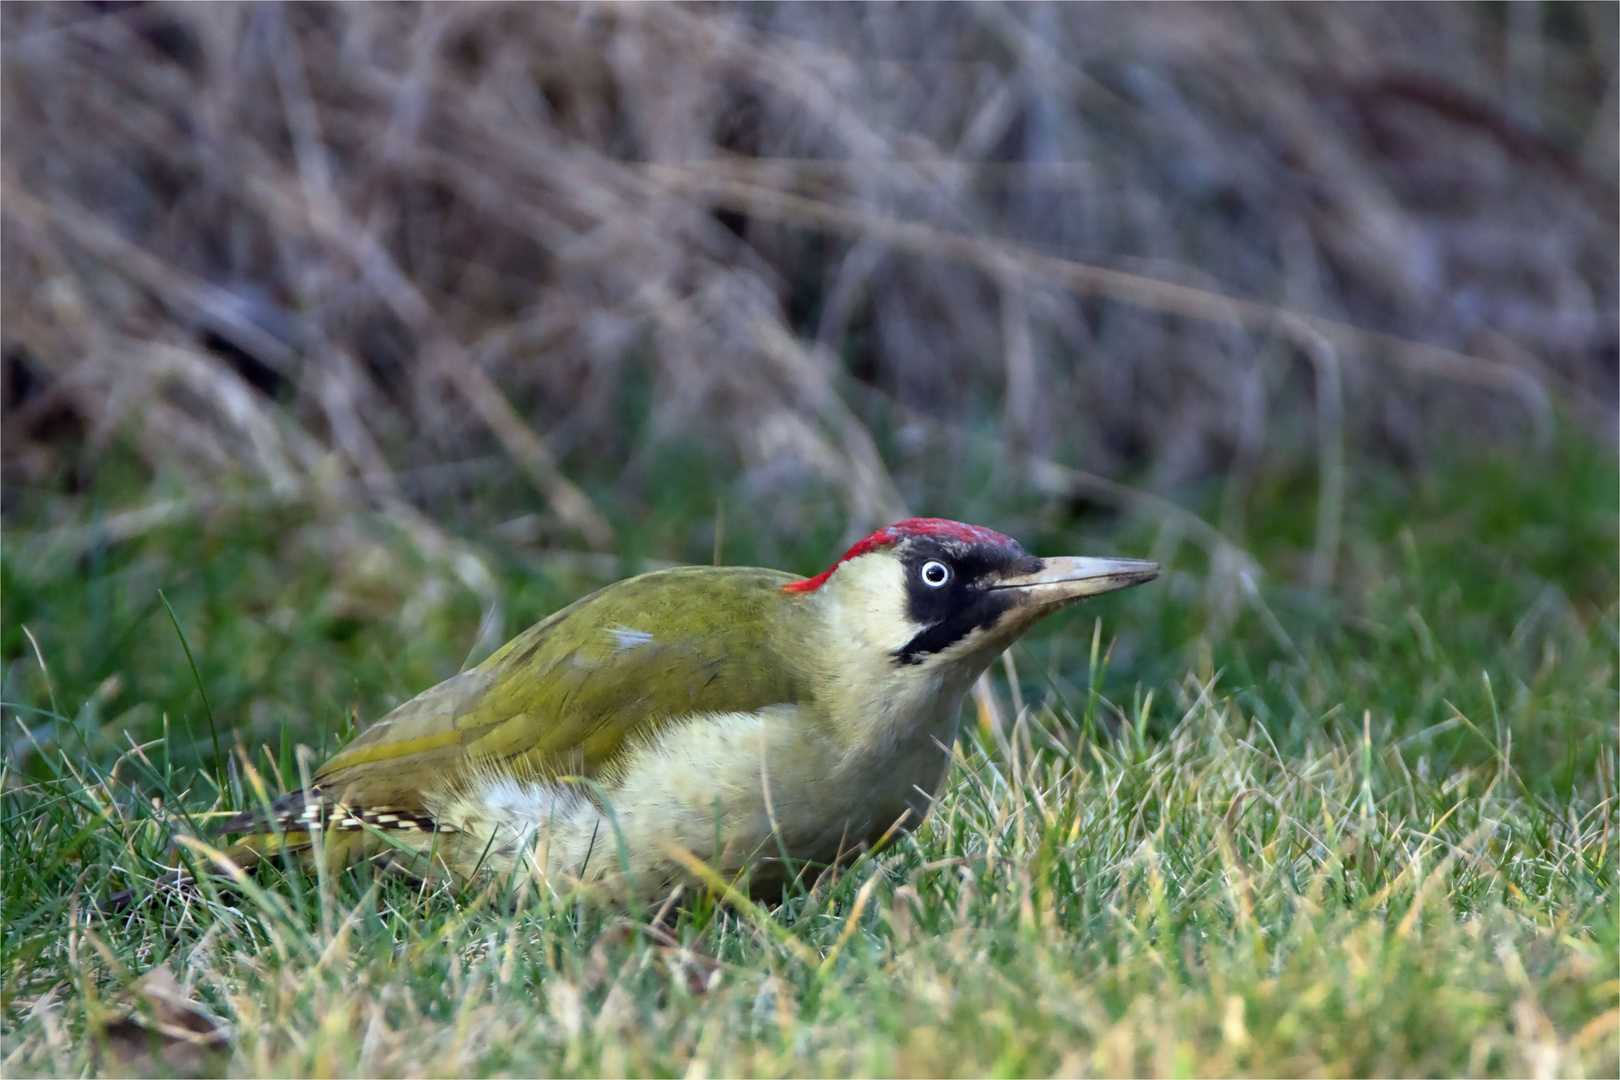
{"x": 325, "y": 246}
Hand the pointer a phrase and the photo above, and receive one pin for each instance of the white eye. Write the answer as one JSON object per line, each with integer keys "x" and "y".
{"x": 935, "y": 573}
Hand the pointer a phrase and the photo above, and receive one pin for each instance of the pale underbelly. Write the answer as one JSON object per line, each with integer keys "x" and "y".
{"x": 735, "y": 791}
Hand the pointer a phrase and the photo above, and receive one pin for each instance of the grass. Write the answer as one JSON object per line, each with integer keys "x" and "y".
{"x": 1368, "y": 831}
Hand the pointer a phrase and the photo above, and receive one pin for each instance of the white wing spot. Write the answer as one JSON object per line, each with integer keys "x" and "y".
{"x": 625, "y": 639}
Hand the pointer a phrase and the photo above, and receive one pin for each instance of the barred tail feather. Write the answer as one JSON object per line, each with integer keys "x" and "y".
{"x": 300, "y": 821}
{"x": 306, "y": 811}
{"x": 280, "y": 816}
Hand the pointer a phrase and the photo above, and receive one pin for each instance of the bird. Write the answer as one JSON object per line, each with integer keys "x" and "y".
{"x": 732, "y": 715}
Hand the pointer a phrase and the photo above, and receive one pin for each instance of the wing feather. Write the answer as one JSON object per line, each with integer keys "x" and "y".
{"x": 572, "y": 693}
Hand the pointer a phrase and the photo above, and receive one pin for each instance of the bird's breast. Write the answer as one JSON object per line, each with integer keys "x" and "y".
{"x": 734, "y": 789}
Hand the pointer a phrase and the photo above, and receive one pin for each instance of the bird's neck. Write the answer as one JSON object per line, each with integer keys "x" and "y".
{"x": 880, "y": 707}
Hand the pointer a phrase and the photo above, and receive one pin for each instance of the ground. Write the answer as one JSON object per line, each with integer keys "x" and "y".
{"x": 1365, "y": 830}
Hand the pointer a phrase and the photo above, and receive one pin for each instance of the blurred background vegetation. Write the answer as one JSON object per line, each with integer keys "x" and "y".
{"x": 371, "y": 333}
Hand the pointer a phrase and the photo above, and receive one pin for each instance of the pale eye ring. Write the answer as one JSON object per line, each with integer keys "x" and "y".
{"x": 935, "y": 574}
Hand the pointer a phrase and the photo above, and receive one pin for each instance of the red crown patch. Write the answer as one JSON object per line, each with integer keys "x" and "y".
{"x": 890, "y": 535}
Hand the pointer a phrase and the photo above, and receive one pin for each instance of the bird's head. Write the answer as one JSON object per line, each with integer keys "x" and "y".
{"x": 930, "y": 593}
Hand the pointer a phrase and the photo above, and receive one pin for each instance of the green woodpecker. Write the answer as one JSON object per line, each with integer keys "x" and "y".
{"x": 734, "y": 712}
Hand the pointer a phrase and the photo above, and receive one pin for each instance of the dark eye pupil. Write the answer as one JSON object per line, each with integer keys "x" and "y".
{"x": 935, "y": 573}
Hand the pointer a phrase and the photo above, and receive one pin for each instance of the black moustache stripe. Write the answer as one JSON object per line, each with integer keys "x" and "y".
{"x": 979, "y": 610}
{"x": 965, "y": 602}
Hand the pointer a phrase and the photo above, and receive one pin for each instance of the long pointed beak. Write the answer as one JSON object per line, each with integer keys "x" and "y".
{"x": 1061, "y": 580}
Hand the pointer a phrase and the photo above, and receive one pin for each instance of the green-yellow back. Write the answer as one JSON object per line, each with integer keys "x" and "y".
{"x": 571, "y": 693}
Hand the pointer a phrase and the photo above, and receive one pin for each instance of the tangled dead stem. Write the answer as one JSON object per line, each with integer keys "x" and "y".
{"x": 330, "y": 247}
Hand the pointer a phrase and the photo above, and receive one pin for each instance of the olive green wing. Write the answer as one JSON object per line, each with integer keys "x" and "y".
{"x": 570, "y": 694}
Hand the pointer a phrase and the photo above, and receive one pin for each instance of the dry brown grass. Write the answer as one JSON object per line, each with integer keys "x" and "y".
{"x": 324, "y": 245}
